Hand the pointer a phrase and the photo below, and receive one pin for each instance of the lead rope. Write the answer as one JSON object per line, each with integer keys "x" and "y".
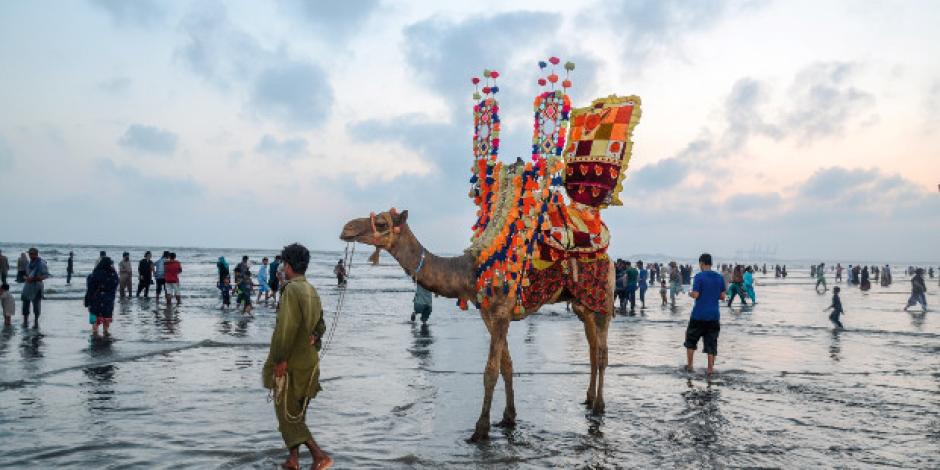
{"x": 340, "y": 299}
{"x": 282, "y": 384}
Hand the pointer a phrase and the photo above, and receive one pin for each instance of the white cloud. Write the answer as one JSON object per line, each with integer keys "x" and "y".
{"x": 149, "y": 139}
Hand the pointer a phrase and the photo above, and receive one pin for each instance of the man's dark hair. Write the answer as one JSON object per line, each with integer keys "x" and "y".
{"x": 147, "y": 253}
{"x": 297, "y": 256}
{"x": 166, "y": 254}
{"x": 705, "y": 259}
{"x": 5, "y": 286}
{"x": 102, "y": 253}
{"x": 172, "y": 255}
{"x": 639, "y": 263}
{"x": 126, "y": 255}
{"x": 34, "y": 250}
{"x": 836, "y": 290}
{"x": 105, "y": 263}
{"x": 245, "y": 258}
{"x": 277, "y": 258}
{"x": 626, "y": 263}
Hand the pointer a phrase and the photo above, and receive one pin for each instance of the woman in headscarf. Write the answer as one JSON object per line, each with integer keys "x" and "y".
{"x": 223, "y": 269}
{"x": 749, "y": 284}
{"x": 99, "y": 296}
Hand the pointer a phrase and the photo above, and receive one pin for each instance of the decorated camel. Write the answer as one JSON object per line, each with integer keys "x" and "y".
{"x": 530, "y": 247}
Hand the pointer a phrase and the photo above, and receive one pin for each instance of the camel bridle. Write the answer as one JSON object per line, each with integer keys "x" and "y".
{"x": 389, "y": 234}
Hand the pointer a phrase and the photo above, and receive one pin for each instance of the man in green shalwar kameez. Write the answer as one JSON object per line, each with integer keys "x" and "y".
{"x": 293, "y": 368}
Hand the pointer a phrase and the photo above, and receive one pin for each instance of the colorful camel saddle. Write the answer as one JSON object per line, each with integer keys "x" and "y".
{"x": 530, "y": 244}
{"x": 576, "y": 231}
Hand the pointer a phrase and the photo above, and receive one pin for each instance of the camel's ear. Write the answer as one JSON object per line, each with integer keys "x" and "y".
{"x": 403, "y": 217}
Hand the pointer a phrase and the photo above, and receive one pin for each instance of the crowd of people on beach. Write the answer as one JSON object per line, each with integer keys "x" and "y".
{"x": 633, "y": 280}
{"x": 269, "y": 278}
{"x": 630, "y": 280}
{"x": 107, "y": 282}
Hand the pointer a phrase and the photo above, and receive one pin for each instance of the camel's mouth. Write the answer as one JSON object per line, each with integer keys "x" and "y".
{"x": 353, "y": 231}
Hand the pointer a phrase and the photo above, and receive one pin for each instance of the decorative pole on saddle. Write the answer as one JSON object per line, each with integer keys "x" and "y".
{"x": 513, "y": 200}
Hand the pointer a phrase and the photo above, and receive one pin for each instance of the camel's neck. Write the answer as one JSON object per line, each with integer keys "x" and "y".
{"x": 448, "y": 277}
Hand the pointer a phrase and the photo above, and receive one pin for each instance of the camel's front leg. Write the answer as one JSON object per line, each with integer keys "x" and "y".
{"x": 603, "y": 322}
{"x": 505, "y": 369}
{"x": 590, "y": 331}
{"x": 499, "y": 327}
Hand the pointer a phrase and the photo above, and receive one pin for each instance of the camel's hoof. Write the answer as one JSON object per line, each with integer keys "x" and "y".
{"x": 598, "y": 409}
{"x": 507, "y": 423}
{"x": 479, "y": 436}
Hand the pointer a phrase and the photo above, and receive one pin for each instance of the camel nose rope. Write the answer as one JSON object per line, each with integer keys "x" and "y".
{"x": 348, "y": 256}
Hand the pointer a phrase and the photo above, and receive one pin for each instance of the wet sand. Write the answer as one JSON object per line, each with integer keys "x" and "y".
{"x": 181, "y": 388}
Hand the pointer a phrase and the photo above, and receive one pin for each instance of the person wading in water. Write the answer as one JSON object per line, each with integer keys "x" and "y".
{"x": 340, "y": 271}
{"x": 292, "y": 369}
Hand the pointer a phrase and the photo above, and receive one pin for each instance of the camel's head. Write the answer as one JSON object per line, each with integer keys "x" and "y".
{"x": 379, "y": 230}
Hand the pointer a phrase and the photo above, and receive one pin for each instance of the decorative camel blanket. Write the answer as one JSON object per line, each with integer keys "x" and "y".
{"x": 589, "y": 287}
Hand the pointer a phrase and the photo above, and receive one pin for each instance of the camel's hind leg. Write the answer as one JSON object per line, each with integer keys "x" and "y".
{"x": 602, "y": 323}
{"x": 505, "y": 369}
{"x": 498, "y": 325}
{"x": 590, "y": 331}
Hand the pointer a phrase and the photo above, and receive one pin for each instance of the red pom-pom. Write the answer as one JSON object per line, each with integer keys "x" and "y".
{"x": 475, "y": 80}
{"x": 554, "y": 60}
{"x": 553, "y": 78}
{"x": 566, "y": 83}
{"x": 486, "y": 89}
{"x": 542, "y": 82}
{"x": 494, "y": 74}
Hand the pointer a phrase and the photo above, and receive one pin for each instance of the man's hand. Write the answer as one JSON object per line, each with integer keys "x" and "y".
{"x": 313, "y": 340}
{"x": 280, "y": 369}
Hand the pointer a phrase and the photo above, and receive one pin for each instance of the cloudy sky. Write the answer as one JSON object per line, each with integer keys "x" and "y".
{"x": 812, "y": 128}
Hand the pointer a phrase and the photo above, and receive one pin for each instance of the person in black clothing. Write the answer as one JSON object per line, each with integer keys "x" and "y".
{"x": 836, "y": 308}
{"x": 144, "y": 275}
{"x": 340, "y": 271}
{"x": 918, "y": 291}
{"x": 69, "y": 268}
{"x": 101, "y": 289}
{"x": 274, "y": 282}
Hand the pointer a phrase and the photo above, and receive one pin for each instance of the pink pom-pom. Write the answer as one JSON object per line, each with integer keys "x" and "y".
{"x": 542, "y": 82}
{"x": 486, "y": 89}
{"x": 554, "y": 60}
{"x": 475, "y": 80}
{"x": 494, "y": 74}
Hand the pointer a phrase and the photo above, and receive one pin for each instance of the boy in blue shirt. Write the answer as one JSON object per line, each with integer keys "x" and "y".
{"x": 708, "y": 289}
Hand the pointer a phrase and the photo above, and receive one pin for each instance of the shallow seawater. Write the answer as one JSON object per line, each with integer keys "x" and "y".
{"x": 181, "y": 388}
